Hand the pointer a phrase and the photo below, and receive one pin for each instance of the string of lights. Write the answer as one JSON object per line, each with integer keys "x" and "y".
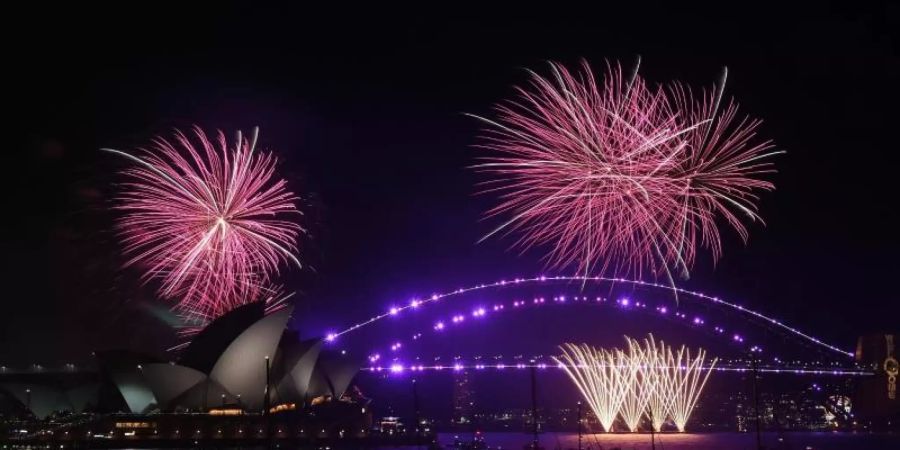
{"x": 624, "y": 303}
{"x": 419, "y": 302}
{"x": 400, "y": 368}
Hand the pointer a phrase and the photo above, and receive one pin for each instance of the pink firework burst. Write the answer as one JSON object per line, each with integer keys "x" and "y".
{"x": 209, "y": 221}
{"x": 621, "y": 176}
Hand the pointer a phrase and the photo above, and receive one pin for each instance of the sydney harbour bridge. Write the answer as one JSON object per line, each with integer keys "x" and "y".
{"x": 744, "y": 334}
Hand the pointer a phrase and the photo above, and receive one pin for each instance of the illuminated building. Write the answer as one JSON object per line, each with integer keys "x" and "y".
{"x": 230, "y": 365}
{"x": 463, "y": 398}
{"x": 876, "y": 400}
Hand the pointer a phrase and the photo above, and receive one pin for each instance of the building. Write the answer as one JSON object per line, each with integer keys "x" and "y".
{"x": 876, "y": 400}
{"x": 463, "y": 398}
{"x": 246, "y": 360}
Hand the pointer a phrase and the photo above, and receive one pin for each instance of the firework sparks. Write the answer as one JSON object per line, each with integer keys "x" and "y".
{"x": 621, "y": 176}
{"x": 652, "y": 381}
{"x": 686, "y": 380}
{"x": 659, "y": 399}
{"x": 640, "y": 388}
{"x": 597, "y": 374}
{"x": 207, "y": 220}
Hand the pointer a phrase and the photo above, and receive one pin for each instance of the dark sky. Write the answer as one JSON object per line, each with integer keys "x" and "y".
{"x": 365, "y": 107}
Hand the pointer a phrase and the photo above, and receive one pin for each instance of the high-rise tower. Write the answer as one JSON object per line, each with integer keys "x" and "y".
{"x": 463, "y": 398}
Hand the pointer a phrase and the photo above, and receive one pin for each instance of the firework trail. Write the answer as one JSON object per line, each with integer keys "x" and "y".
{"x": 209, "y": 221}
{"x": 641, "y": 388}
{"x": 653, "y": 381}
{"x": 621, "y": 176}
{"x": 599, "y": 377}
{"x": 687, "y": 380}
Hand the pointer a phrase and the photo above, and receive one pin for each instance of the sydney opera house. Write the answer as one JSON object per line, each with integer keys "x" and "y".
{"x": 244, "y": 364}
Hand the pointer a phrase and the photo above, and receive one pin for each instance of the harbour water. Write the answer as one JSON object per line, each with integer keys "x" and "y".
{"x": 688, "y": 441}
{"x": 569, "y": 441}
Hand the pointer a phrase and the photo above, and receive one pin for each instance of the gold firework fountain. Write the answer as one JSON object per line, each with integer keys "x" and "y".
{"x": 647, "y": 379}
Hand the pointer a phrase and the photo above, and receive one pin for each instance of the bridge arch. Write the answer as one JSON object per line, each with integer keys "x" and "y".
{"x": 682, "y": 293}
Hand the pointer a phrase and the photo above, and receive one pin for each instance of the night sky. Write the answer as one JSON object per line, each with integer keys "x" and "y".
{"x": 365, "y": 110}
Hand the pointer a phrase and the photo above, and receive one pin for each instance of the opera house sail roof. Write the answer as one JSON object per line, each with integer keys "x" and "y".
{"x": 226, "y": 363}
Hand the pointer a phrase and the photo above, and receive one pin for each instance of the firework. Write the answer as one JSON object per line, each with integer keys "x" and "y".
{"x": 654, "y": 372}
{"x": 687, "y": 379}
{"x": 597, "y": 374}
{"x": 621, "y": 176}
{"x": 640, "y": 387}
{"x": 209, "y": 221}
{"x": 652, "y": 381}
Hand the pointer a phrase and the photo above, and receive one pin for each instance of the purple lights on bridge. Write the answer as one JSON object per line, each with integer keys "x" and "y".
{"x": 415, "y": 303}
{"x": 398, "y": 368}
{"x": 397, "y": 365}
{"x": 625, "y": 304}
